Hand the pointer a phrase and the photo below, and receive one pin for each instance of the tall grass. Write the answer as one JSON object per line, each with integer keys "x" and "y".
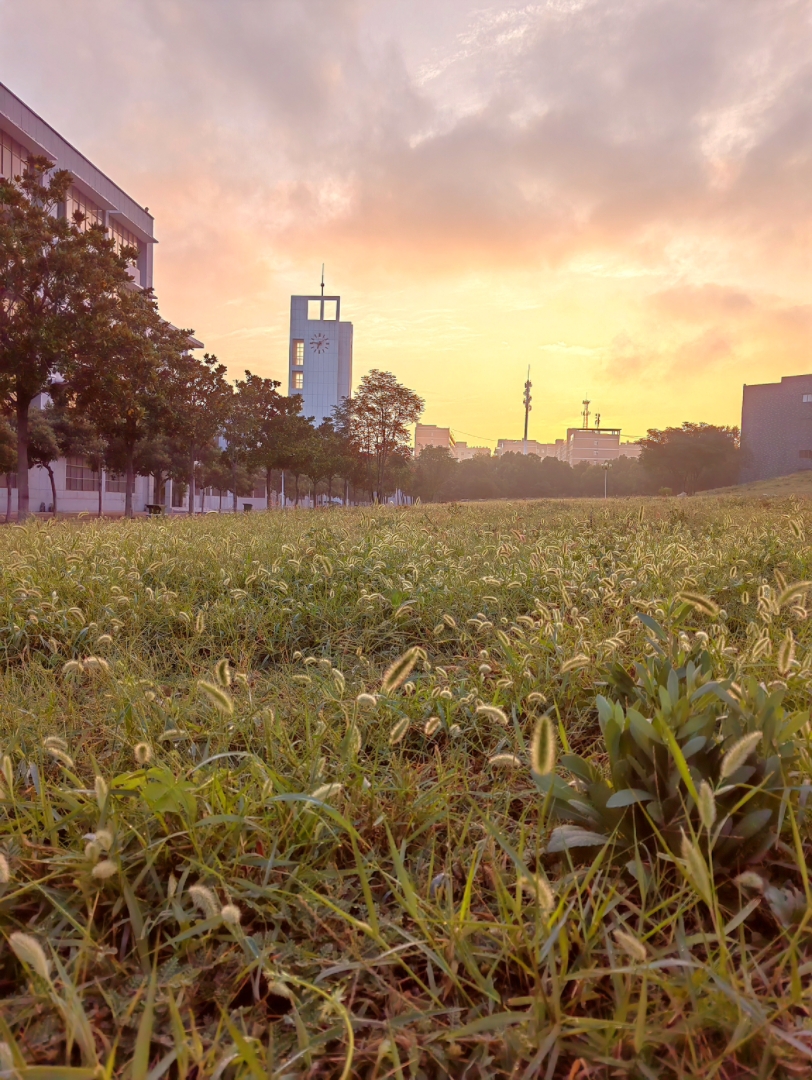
{"x": 277, "y": 795}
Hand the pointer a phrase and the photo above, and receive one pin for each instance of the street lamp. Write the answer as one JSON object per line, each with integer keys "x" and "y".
{"x": 605, "y": 467}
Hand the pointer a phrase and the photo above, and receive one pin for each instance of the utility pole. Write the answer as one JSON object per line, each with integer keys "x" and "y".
{"x": 527, "y": 408}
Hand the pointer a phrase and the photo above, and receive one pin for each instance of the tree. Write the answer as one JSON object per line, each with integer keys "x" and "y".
{"x": 58, "y": 285}
{"x": 691, "y": 458}
{"x": 378, "y": 419}
{"x": 131, "y": 392}
{"x": 76, "y": 436}
{"x": 432, "y": 473}
{"x": 201, "y": 401}
{"x": 43, "y": 448}
{"x": 273, "y": 426}
{"x": 8, "y": 458}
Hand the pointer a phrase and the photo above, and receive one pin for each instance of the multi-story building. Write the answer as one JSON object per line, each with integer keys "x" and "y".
{"x": 776, "y": 432}
{"x": 597, "y": 445}
{"x": 522, "y": 446}
{"x": 320, "y": 357}
{"x": 24, "y": 134}
{"x": 463, "y": 452}
{"x": 430, "y": 435}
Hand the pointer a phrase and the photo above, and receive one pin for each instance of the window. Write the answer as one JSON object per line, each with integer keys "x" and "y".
{"x": 807, "y": 398}
{"x": 79, "y": 476}
{"x": 13, "y": 157}
{"x": 115, "y": 483}
{"x": 330, "y": 310}
{"x": 93, "y": 215}
{"x": 805, "y": 453}
{"x": 298, "y": 380}
{"x": 298, "y": 352}
{"x": 122, "y": 237}
{"x": 314, "y": 310}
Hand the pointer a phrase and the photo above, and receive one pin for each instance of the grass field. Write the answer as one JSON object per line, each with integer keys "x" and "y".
{"x": 508, "y": 790}
{"x": 793, "y": 486}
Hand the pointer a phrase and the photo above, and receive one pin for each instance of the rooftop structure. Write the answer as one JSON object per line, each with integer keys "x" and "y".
{"x": 777, "y": 428}
{"x": 525, "y": 446}
{"x": 463, "y": 452}
{"x": 320, "y": 357}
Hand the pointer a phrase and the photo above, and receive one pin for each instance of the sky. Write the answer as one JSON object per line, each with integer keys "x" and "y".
{"x": 615, "y": 193}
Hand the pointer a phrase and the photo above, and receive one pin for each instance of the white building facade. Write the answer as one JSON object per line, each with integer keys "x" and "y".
{"x": 320, "y": 358}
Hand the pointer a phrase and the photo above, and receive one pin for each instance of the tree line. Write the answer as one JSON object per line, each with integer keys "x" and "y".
{"x": 125, "y": 391}
{"x": 689, "y": 458}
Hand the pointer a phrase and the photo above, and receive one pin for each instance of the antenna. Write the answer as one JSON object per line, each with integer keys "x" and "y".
{"x": 322, "y": 280}
{"x": 527, "y": 408}
{"x": 585, "y": 404}
{"x": 597, "y": 419}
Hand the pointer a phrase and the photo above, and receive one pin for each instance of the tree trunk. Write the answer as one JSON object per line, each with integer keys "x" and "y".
{"x": 23, "y": 404}
{"x": 50, "y": 472}
{"x": 8, "y": 498}
{"x": 296, "y": 489}
{"x": 234, "y": 486}
{"x": 267, "y": 489}
{"x": 192, "y": 487}
{"x": 283, "y": 489}
{"x": 129, "y": 482}
{"x": 202, "y": 497}
{"x": 101, "y": 489}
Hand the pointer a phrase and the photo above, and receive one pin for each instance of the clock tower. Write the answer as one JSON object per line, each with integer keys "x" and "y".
{"x": 320, "y": 354}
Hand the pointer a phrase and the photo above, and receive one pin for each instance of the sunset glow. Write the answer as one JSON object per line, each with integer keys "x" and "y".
{"x": 614, "y": 192}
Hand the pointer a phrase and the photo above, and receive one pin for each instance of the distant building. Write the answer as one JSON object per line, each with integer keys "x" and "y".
{"x": 776, "y": 430}
{"x": 597, "y": 445}
{"x": 320, "y": 357}
{"x": 520, "y": 446}
{"x": 430, "y": 435}
{"x": 463, "y": 452}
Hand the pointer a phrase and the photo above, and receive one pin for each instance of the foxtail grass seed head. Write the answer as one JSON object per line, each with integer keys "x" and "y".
{"x": 104, "y": 838}
{"x": 222, "y": 673}
{"x": 366, "y": 701}
{"x": 104, "y": 639}
{"x": 739, "y": 752}
{"x": 493, "y": 712}
{"x": 217, "y": 697}
{"x": 96, "y": 665}
{"x": 455, "y": 731}
{"x": 143, "y": 753}
{"x": 696, "y": 868}
{"x": 398, "y": 672}
{"x": 750, "y": 880}
{"x": 92, "y": 851}
{"x": 706, "y": 805}
{"x": 8, "y": 772}
{"x": 505, "y": 761}
{"x": 398, "y": 730}
{"x": 536, "y": 698}
{"x": 537, "y": 887}
{"x": 27, "y": 949}
{"x": 54, "y": 742}
{"x": 102, "y": 792}
{"x": 542, "y": 747}
{"x": 327, "y": 791}
{"x": 786, "y": 654}
{"x": 60, "y": 756}
{"x": 204, "y": 899}
{"x": 200, "y": 622}
{"x": 104, "y": 869}
{"x": 171, "y": 886}
{"x": 72, "y": 667}
{"x": 231, "y": 914}
{"x": 700, "y": 603}
{"x": 431, "y": 726}
{"x": 5, "y": 872}
{"x": 408, "y": 688}
{"x": 575, "y": 663}
{"x": 631, "y": 946}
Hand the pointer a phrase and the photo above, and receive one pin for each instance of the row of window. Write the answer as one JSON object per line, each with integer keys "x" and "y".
{"x": 80, "y": 477}
{"x": 13, "y": 157}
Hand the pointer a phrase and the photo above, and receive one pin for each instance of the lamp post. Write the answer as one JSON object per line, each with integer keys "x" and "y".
{"x": 605, "y": 468}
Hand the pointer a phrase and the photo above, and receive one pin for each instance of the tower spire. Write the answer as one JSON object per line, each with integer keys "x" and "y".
{"x": 322, "y": 280}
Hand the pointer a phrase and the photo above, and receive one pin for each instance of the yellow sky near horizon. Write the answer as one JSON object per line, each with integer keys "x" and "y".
{"x": 614, "y": 192}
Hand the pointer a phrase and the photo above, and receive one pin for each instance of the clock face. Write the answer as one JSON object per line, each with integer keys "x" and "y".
{"x": 319, "y": 343}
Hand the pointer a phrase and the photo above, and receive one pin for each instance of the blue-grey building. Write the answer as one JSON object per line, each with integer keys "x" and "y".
{"x": 320, "y": 360}
{"x": 777, "y": 428}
